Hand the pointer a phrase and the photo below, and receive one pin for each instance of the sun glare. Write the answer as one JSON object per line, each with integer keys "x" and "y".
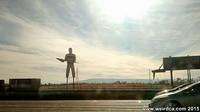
{"x": 121, "y": 9}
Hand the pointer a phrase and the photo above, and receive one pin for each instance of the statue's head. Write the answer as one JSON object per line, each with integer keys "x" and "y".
{"x": 70, "y": 50}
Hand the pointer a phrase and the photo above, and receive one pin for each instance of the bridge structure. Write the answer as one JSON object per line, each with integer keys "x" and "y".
{"x": 178, "y": 63}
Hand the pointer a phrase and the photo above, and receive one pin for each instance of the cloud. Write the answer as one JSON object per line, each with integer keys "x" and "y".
{"x": 34, "y": 33}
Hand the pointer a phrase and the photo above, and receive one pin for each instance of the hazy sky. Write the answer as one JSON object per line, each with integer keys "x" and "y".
{"x": 112, "y": 39}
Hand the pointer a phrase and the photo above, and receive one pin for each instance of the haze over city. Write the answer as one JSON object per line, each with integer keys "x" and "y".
{"x": 112, "y": 39}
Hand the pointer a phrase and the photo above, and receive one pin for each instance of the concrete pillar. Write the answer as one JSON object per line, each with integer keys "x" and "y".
{"x": 172, "y": 82}
{"x": 189, "y": 75}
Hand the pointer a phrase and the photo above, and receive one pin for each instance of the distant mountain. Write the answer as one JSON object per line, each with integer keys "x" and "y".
{"x": 102, "y": 80}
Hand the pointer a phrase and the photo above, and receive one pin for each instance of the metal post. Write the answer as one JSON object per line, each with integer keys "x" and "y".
{"x": 73, "y": 82}
{"x": 171, "y": 73}
{"x": 66, "y": 83}
{"x": 149, "y": 76}
{"x": 187, "y": 75}
{"x": 154, "y": 75}
{"x": 77, "y": 79}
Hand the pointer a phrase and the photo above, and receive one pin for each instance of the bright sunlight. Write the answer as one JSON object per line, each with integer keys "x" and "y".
{"x": 121, "y": 9}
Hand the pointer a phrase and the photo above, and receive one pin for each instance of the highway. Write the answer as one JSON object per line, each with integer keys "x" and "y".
{"x": 75, "y": 106}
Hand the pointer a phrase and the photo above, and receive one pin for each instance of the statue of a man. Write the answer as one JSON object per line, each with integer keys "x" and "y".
{"x": 71, "y": 59}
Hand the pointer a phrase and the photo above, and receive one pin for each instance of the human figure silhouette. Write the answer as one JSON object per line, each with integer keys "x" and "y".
{"x": 71, "y": 59}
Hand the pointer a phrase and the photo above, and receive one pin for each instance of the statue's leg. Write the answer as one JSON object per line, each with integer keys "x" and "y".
{"x": 73, "y": 73}
{"x": 67, "y": 74}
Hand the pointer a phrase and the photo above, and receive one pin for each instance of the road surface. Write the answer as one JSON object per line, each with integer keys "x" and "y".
{"x": 75, "y": 106}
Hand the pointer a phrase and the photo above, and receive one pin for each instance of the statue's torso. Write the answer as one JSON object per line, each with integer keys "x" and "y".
{"x": 70, "y": 58}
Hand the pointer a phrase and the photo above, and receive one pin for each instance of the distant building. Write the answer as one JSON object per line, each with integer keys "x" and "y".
{"x": 2, "y": 85}
{"x": 31, "y": 85}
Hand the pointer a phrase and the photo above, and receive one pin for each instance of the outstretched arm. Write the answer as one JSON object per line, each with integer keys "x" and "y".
{"x": 61, "y": 60}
